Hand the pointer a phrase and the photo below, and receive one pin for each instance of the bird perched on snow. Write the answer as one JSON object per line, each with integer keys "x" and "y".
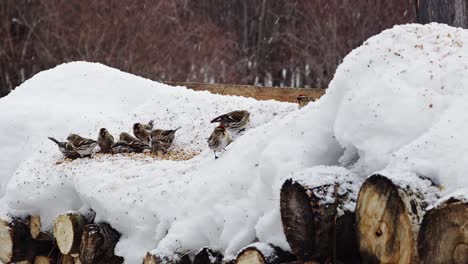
{"x": 235, "y": 120}
{"x": 67, "y": 149}
{"x": 142, "y": 132}
{"x": 161, "y": 140}
{"x": 303, "y": 100}
{"x": 105, "y": 141}
{"x": 219, "y": 139}
{"x": 127, "y": 144}
{"x": 84, "y": 146}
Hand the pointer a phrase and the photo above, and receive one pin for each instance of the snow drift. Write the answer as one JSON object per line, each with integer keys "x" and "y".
{"x": 396, "y": 105}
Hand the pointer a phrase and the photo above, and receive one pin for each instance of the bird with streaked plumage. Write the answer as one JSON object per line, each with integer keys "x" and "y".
{"x": 303, "y": 100}
{"x": 67, "y": 149}
{"x": 161, "y": 140}
{"x": 236, "y": 120}
{"x": 129, "y": 144}
{"x": 219, "y": 140}
{"x": 142, "y": 132}
{"x": 105, "y": 141}
{"x": 84, "y": 146}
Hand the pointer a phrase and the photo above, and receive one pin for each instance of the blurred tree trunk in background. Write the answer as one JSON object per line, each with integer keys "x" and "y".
{"x": 296, "y": 43}
{"x": 451, "y": 12}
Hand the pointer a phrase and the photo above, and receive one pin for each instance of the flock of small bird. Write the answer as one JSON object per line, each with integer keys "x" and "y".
{"x": 146, "y": 139}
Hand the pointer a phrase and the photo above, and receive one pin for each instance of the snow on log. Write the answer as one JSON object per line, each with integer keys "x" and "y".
{"x": 317, "y": 220}
{"x": 208, "y": 256}
{"x": 261, "y": 253}
{"x": 388, "y": 215}
{"x": 443, "y": 237}
{"x": 176, "y": 259}
{"x": 16, "y": 243}
{"x": 97, "y": 244}
{"x": 68, "y": 229}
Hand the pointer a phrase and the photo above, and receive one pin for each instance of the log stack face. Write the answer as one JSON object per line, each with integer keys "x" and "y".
{"x": 443, "y": 237}
{"x": 388, "y": 218}
{"x": 16, "y": 243}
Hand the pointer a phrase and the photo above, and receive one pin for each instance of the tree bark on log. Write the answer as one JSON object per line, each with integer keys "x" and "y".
{"x": 388, "y": 217}
{"x": 97, "y": 244}
{"x": 68, "y": 229}
{"x": 313, "y": 227}
{"x": 443, "y": 237}
{"x": 178, "y": 259}
{"x": 264, "y": 254}
{"x": 16, "y": 243}
{"x": 208, "y": 256}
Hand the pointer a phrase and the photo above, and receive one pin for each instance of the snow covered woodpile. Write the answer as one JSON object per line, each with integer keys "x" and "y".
{"x": 371, "y": 158}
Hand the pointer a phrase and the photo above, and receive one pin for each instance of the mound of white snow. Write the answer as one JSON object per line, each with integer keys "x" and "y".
{"x": 395, "y": 104}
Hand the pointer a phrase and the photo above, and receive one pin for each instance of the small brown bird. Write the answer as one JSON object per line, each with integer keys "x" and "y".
{"x": 235, "y": 120}
{"x": 127, "y": 143}
{"x": 105, "y": 141}
{"x": 161, "y": 140}
{"x": 303, "y": 100}
{"x": 142, "y": 132}
{"x": 67, "y": 149}
{"x": 84, "y": 146}
{"x": 219, "y": 139}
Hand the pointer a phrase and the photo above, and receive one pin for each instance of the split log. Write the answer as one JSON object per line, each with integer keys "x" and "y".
{"x": 45, "y": 260}
{"x": 16, "y": 243}
{"x": 97, "y": 244}
{"x": 261, "y": 253}
{"x": 68, "y": 229}
{"x": 35, "y": 226}
{"x": 318, "y": 228}
{"x": 208, "y": 256}
{"x": 176, "y": 259}
{"x": 66, "y": 259}
{"x": 443, "y": 237}
{"x": 388, "y": 216}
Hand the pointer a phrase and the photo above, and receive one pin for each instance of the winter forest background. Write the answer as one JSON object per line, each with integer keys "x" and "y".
{"x": 290, "y": 43}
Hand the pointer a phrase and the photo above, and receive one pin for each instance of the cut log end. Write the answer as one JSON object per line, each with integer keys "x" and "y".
{"x": 443, "y": 237}
{"x": 35, "y": 226}
{"x": 297, "y": 219}
{"x": 67, "y": 231}
{"x": 260, "y": 253}
{"x": 97, "y": 243}
{"x": 386, "y": 229}
{"x": 251, "y": 256}
{"x": 6, "y": 242}
{"x": 312, "y": 225}
{"x": 44, "y": 260}
{"x": 178, "y": 259}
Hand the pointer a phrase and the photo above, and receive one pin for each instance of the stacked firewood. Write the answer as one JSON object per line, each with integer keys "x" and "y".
{"x": 75, "y": 239}
{"x": 390, "y": 223}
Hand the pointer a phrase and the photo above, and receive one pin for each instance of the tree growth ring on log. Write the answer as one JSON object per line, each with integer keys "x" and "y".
{"x": 261, "y": 253}
{"x": 443, "y": 237}
{"x": 388, "y": 217}
{"x": 68, "y": 229}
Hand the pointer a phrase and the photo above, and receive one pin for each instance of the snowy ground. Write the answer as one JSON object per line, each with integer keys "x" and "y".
{"x": 397, "y": 104}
